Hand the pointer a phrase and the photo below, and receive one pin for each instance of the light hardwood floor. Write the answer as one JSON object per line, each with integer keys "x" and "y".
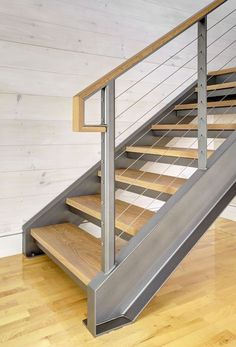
{"x": 41, "y": 307}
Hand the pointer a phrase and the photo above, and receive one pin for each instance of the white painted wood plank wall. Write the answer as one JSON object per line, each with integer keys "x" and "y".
{"x": 49, "y": 50}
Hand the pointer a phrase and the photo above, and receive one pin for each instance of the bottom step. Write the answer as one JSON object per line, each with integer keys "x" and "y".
{"x": 74, "y": 248}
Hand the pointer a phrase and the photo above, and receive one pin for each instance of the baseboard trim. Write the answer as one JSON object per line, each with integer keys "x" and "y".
{"x": 10, "y": 245}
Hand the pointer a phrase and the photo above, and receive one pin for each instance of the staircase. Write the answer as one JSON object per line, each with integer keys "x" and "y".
{"x": 146, "y": 244}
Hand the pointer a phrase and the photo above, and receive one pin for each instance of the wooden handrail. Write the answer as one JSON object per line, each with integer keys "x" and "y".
{"x": 79, "y": 99}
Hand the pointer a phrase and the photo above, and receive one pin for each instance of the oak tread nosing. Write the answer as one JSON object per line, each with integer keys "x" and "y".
{"x": 129, "y": 218}
{"x": 167, "y": 151}
{"x": 162, "y": 183}
{"x": 225, "y": 103}
{"x": 220, "y": 86}
{"x": 222, "y": 71}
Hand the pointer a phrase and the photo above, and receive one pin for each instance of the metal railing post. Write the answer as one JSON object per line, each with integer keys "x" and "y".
{"x": 108, "y": 177}
{"x": 202, "y": 94}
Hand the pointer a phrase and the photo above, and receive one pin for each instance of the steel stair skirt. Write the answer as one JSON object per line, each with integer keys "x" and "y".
{"x": 158, "y": 281}
{"x": 209, "y": 193}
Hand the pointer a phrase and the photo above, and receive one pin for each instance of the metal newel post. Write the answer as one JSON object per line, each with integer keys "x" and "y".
{"x": 108, "y": 178}
{"x": 202, "y": 94}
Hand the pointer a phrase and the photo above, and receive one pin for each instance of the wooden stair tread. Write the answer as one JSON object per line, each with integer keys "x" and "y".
{"x": 126, "y": 214}
{"x": 192, "y": 126}
{"x": 220, "y": 86}
{"x": 225, "y": 103}
{"x": 160, "y": 183}
{"x": 167, "y": 151}
{"x": 76, "y": 249}
{"x": 222, "y": 72}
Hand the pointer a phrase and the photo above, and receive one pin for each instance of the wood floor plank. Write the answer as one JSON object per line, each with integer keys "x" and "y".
{"x": 192, "y": 126}
{"x": 167, "y": 151}
{"x": 224, "y": 103}
{"x": 220, "y": 86}
{"x": 148, "y": 180}
{"x": 222, "y": 71}
{"x": 129, "y": 218}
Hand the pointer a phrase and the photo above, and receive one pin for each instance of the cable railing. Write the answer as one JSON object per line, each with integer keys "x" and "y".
{"x": 186, "y": 80}
{"x": 163, "y": 173}
{"x": 165, "y": 154}
{"x": 173, "y": 55}
{"x": 167, "y": 114}
{"x": 181, "y": 67}
{"x": 174, "y": 178}
{"x": 106, "y": 85}
{"x": 79, "y": 99}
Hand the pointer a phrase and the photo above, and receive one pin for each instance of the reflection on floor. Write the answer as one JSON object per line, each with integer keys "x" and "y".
{"x": 41, "y": 307}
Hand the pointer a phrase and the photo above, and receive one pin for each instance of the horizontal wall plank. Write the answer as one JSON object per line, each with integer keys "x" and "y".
{"x": 70, "y": 39}
{"x": 22, "y": 56}
{"x": 120, "y": 13}
{"x": 16, "y": 158}
{"x": 42, "y": 59}
{"x": 181, "y": 5}
{"x": 41, "y": 132}
{"x": 80, "y": 15}
{"x": 10, "y": 228}
{"x": 37, "y": 182}
{"x": 34, "y": 107}
{"x": 26, "y": 207}
{"x": 21, "y": 81}
{"x": 65, "y": 38}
